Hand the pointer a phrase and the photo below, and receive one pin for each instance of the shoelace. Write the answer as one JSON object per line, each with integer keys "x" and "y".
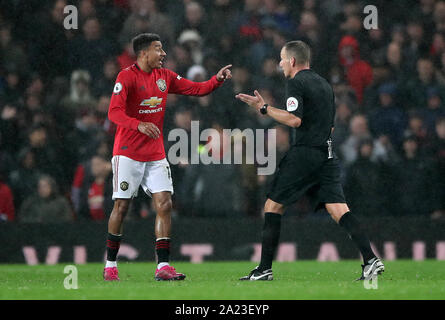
{"x": 172, "y": 269}
{"x": 114, "y": 271}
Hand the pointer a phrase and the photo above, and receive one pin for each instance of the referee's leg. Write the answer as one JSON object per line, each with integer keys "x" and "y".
{"x": 341, "y": 214}
{"x": 271, "y": 233}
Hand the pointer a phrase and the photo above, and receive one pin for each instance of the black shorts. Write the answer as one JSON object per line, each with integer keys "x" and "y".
{"x": 307, "y": 170}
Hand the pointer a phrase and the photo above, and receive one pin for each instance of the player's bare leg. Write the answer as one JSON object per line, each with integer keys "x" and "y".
{"x": 341, "y": 214}
{"x": 115, "y": 222}
{"x": 115, "y": 228}
{"x": 163, "y": 205}
{"x": 271, "y": 236}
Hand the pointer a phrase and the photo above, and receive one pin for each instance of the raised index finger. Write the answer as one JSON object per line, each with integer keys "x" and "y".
{"x": 226, "y": 67}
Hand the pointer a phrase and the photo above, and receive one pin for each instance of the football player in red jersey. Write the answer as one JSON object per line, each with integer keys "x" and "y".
{"x": 137, "y": 107}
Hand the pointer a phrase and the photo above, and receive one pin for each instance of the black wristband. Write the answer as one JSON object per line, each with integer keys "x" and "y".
{"x": 263, "y": 109}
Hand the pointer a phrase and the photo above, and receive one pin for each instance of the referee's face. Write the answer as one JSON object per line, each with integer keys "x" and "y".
{"x": 285, "y": 63}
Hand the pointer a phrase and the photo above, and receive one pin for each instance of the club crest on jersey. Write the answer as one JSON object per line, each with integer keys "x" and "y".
{"x": 152, "y": 102}
{"x": 161, "y": 85}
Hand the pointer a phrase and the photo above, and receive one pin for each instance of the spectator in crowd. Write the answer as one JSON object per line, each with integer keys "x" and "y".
{"x": 413, "y": 190}
{"x": 12, "y": 54}
{"x": 434, "y": 109}
{"x": 46, "y": 154}
{"x": 440, "y": 70}
{"x": 95, "y": 191}
{"x": 194, "y": 18}
{"x": 47, "y": 205}
{"x": 358, "y": 72}
{"x": 9, "y": 129}
{"x": 191, "y": 40}
{"x": 89, "y": 50}
{"x": 104, "y": 85}
{"x": 11, "y": 92}
{"x": 206, "y": 193}
{"x": 416, "y": 46}
{"x": 341, "y": 131}
{"x": 145, "y": 17}
{"x": 278, "y": 11}
{"x": 417, "y": 130}
{"x": 7, "y": 209}
{"x": 52, "y": 44}
{"x": 416, "y": 88}
{"x": 23, "y": 180}
{"x": 79, "y": 99}
{"x": 364, "y": 177}
{"x": 359, "y": 131}
{"x": 437, "y": 153}
{"x": 394, "y": 59}
{"x": 388, "y": 119}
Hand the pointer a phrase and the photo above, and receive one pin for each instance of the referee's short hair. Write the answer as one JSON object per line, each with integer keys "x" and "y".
{"x": 143, "y": 41}
{"x": 298, "y": 50}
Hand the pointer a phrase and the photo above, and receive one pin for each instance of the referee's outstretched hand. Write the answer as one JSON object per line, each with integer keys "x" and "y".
{"x": 256, "y": 101}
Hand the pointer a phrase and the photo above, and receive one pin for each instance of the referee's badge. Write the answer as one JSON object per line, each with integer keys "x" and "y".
{"x": 292, "y": 104}
{"x": 161, "y": 85}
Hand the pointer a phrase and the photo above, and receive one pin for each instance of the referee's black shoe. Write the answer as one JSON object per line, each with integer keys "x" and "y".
{"x": 371, "y": 269}
{"x": 256, "y": 274}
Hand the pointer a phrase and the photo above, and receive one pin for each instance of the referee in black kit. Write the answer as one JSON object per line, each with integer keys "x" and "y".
{"x": 310, "y": 166}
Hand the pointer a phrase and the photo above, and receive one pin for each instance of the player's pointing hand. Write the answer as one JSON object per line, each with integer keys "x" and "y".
{"x": 224, "y": 74}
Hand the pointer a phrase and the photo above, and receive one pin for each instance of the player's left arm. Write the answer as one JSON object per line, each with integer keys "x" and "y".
{"x": 187, "y": 87}
{"x": 282, "y": 116}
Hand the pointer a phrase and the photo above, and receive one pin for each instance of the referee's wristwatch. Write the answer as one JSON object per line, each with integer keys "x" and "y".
{"x": 263, "y": 109}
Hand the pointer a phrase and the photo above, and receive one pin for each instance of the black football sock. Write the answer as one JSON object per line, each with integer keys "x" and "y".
{"x": 113, "y": 244}
{"x": 163, "y": 249}
{"x": 357, "y": 234}
{"x": 271, "y": 237}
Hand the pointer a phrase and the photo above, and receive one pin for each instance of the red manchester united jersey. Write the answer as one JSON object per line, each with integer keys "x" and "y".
{"x": 141, "y": 96}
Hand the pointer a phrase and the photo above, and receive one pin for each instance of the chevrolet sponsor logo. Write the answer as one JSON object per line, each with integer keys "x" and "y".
{"x": 152, "y": 102}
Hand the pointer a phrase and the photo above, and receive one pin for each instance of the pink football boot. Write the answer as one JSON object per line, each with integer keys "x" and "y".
{"x": 168, "y": 273}
{"x": 111, "y": 274}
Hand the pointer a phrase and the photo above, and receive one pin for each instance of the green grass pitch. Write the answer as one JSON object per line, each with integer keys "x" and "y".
{"x": 403, "y": 279}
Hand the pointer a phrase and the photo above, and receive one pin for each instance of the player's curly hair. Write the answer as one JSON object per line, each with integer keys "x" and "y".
{"x": 143, "y": 41}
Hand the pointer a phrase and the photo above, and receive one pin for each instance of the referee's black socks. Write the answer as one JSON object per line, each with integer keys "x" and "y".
{"x": 271, "y": 237}
{"x": 357, "y": 234}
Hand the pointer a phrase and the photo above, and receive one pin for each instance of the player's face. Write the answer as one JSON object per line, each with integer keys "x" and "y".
{"x": 155, "y": 55}
{"x": 285, "y": 63}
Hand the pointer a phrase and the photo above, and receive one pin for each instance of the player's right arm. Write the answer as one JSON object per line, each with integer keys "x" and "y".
{"x": 118, "y": 104}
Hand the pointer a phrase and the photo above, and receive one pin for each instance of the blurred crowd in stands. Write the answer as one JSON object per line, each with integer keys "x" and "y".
{"x": 55, "y": 87}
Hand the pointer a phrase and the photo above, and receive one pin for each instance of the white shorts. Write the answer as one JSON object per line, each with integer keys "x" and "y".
{"x": 129, "y": 174}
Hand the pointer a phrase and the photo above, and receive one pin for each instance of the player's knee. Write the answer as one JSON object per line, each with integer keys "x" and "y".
{"x": 164, "y": 205}
{"x": 272, "y": 206}
{"x": 121, "y": 207}
{"x": 336, "y": 210}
